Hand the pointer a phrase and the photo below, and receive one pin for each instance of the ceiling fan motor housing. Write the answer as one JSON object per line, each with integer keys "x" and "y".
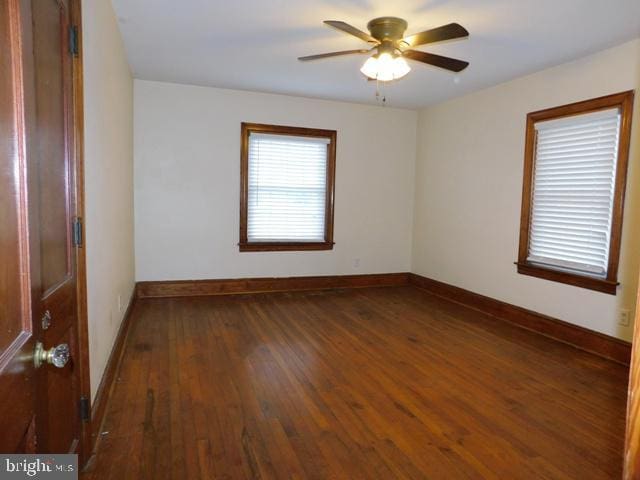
{"x": 387, "y": 28}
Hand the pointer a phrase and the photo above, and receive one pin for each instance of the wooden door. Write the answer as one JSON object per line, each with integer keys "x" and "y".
{"x": 58, "y": 412}
{"x": 17, "y": 374}
{"x": 40, "y": 110}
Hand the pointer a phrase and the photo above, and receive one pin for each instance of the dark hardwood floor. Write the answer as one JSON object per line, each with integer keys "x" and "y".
{"x": 356, "y": 384}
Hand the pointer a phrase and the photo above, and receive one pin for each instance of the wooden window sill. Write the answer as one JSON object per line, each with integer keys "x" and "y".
{"x": 598, "y": 284}
{"x": 284, "y": 246}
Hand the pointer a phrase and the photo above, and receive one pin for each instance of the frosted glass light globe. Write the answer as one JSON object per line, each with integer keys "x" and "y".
{"x": 385, "y": 67}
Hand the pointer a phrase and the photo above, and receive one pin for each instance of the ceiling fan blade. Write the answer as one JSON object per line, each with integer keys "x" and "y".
{"x": 332, "y": 54}
{"x": 436, "y": 60}
{"x": 445, "y": 32}
{"x": 345, "y": 27}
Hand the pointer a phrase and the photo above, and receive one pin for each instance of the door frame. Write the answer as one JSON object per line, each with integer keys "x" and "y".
{"x": 632, "y": 437}
{"x": 77, "y": 124}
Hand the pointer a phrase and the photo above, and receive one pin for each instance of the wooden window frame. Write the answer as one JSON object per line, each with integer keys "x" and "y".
{"x": 246, "y": 130}
{"x": 623, "y": 101}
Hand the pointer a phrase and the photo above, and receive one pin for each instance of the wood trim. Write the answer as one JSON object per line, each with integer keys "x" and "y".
{"x": 244, "y": 181}
{"x": 189, "y": 288}
{"x": 598, "y": 284}
{"x": 107, "y": 383}
{"x": 284, "y": 246}
{"x": 331, "y": 189}
{"x": 594, "y": 342}
{"x": 626, "y": 102}
{"x": 623, "y": 101}
{"x": 245, "y": 131}
{"x": 77, "y": 86}
{"x": 632, "y": 437}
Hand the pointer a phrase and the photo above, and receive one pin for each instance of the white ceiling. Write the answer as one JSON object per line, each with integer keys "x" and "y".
{"x": 254, "y": 44}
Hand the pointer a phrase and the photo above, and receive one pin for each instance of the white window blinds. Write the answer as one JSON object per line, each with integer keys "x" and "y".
{"x": 573, "y": 188}
{"x": 287, "y": 184}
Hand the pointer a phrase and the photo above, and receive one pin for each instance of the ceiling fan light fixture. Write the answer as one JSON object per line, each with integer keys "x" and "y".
{"x": 393, "y": 49}
{"x": 385, "y": 67}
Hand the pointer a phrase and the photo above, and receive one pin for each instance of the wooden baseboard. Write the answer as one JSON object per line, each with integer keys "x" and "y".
{"x": 99, "y": 405}
{"x": 594, "y": 342}
{"x": 190, "y": 288}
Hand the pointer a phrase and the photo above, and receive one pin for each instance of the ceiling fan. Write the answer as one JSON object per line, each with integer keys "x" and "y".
{"x": 392, "y": 48}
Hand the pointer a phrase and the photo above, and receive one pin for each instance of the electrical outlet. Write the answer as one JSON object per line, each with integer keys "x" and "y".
{"x": 624, "y": 318}
{"x": 356, "y": 263}
{"x": 120, "y": 303}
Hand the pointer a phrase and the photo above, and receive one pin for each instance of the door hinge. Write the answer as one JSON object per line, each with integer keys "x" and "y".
{"x": 77, "y": 231}
{"x": 73, "y": 40}
{"x": 85, "y": 411}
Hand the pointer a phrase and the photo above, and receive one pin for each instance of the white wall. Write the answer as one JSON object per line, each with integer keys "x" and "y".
{"x": 187, "y": 183}
{"x": 108, "y": 121}
{"x": 469, "y": 185}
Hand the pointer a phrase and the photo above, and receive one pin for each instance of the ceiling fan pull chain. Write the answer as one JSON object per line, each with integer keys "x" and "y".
{"x": 380, "y": 95}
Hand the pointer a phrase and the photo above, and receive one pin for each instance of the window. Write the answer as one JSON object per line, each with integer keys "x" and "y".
{"x": 575, "y": 170}
{"x": 287, "y": 185}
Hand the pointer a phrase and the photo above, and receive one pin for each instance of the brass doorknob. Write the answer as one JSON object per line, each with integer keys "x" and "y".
{"x": 56, "y": 356}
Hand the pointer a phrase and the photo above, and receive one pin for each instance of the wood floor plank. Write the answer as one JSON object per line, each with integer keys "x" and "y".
{"x": 354, "y": 384}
